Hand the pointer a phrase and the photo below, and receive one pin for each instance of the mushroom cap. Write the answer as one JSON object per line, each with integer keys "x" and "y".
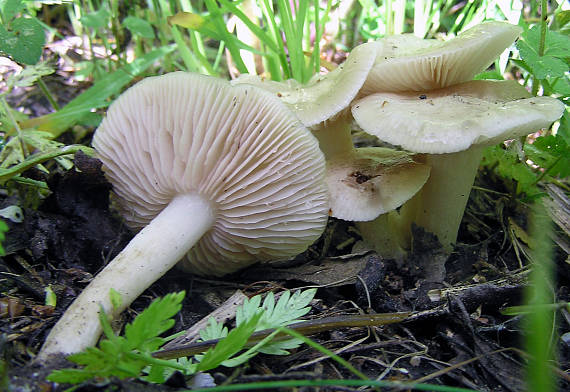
{"x": 454, "y": 118}
{"x": 237, "y": 146}
{"x": 409, "y": 63}
{"x": 372, "y": 181}
{"x": 324, "y": 95}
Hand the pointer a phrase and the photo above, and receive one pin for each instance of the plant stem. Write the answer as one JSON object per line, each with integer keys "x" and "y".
{"x": 48, "y": 94}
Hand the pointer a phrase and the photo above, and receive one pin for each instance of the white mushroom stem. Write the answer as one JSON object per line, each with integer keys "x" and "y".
{"x": 440, "y": 205}
{"x": 334, "y": 136}
{"x": 385, "y": 235}
{"x": 149, "y": 255}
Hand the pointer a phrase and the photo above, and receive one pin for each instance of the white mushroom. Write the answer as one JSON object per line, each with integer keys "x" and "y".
{"x": 452, "y": 126}
{"x": 326, "y": 95}
{"x": 225, "y": 175}
{"x": 392, "y": 177}
{"x": 408, "y": 63}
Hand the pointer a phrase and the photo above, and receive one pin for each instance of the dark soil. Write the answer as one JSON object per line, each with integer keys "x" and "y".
{"x": 462, "y": 339}
{"x": 456, "y": 337}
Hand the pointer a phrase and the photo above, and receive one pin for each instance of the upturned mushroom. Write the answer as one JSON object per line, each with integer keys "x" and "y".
{"x": 408, "y": 63}
{"x": 451, "y": 126}
{"x": 324, "y": 96}
{"x": 223, "y": 176}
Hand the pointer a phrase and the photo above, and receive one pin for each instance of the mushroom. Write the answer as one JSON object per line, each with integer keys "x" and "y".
{"x": 223, "y": 175}
{"x": 408, "y": 63}
{"x": 362, "y": 183}
{"x": 326, "y": 95}
{"x": 451, "y": 126}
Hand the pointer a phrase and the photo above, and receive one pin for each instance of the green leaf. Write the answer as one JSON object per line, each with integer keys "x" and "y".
{"x": 143, "y": 332}
{"x": 551, "y": 153}
{"x": 213, "y": 330}
{"x": 10, "y": 8}
{"x": 115, "y": 297}
{"x": 139, "y": 26}
{"x": 506, "y": 163}
{"x": 556, "y": 49}
{"x": 126, "y": 356}
{"x": 230, "y": 345}
{"x": 24, "y": 41}
{"x": 97, "y": 19}
{"x": 3, "y": 230}
{"x": 29, "y": 75}
{"x": 542, "y": 66}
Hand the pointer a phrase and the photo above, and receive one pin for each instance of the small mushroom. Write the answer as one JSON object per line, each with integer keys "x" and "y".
{"x": 224, "y": 176}
{"x": 452, "y": 126}
{"x": 408, "y": 63}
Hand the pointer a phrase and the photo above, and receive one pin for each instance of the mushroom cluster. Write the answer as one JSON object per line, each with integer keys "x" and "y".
{"x": 419, "y": 96}
{"x": 416, "y": 94}
{"x": 224, "y": 174}
{"x": 221, "y": 176}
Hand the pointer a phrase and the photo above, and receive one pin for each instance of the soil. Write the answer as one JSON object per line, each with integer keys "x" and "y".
{"x": 456, "y": 337}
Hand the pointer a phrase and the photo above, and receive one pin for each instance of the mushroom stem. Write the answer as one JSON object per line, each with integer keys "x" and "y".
{"x": 384, "y": 235}
{"x": 334, "y": 136}
{"x": 443, "y": 198}
{"x": 149, "y": 255}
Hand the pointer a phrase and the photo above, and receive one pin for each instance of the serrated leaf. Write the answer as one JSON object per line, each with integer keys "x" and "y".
{"x": 280, "y": 347}
{"x": 139, "y": 26}
{"x": 29, "y": 75}
{"x": 508, "y": 166}
{"x": 556, "y": 49}
{"x": 117, "y": 355}
{"x": 213, "y": 330}
{"x": 143, "y": 332}
{"x": 551, "y": 153}
{"x": 230, "y": 345}
{"x": 70, "y": 376}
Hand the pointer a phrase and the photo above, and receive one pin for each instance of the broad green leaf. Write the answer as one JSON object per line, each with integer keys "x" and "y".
{"x": 188, "y": 20}
{"x": 24, "y": 41}
{"x": 139, "y": 26}
{"x": 97, "y": 19}
{"x": 556, "y": 49}
{"x": 542, "y": 66}
{"x": 10, "y": 8}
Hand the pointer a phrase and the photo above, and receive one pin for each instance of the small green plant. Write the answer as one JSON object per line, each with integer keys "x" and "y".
{"x": 130, "y": 356}
{"x": 284, "y": 38}
{"x": 21, "y": 37}
{"x": 3, "y": 230}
